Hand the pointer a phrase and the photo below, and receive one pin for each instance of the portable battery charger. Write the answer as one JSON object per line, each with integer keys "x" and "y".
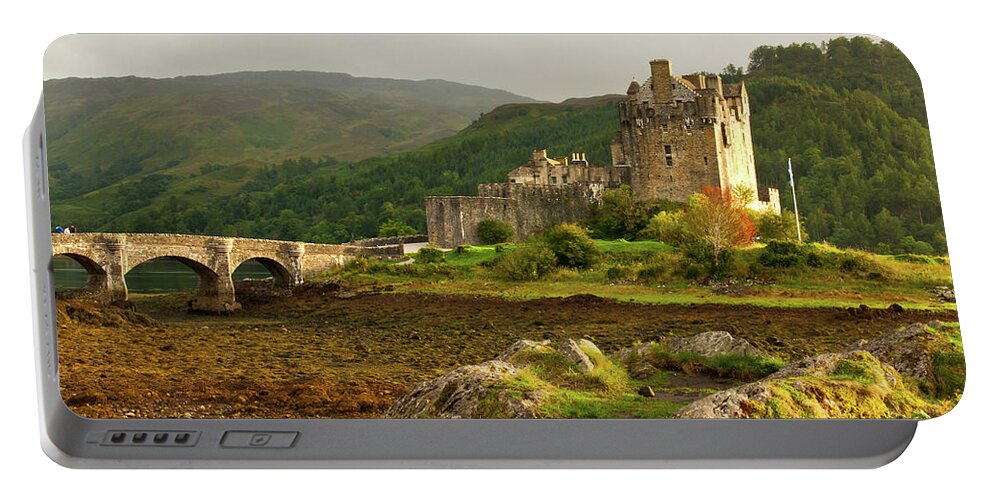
{"x": 486, "y": 251}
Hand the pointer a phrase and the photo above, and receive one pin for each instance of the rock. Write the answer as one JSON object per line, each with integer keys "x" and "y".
{"x": 852, "y": 384}
{"x": 571, "y": 350}
{"x": 637, "y": 351}
{"x": 712, "y": 344}
{"x": 474, "y": 391}
{"x": 642, "y": 370}
{"x": 522, "y": 346}
{"x": 588, "y": 347}
{"x": 910, "y": 350}
{"x": 944, "y": 294}
{"x": 897, "y": 308}
{"x": 646, "y": 391}
{"x": 466, "y": 392}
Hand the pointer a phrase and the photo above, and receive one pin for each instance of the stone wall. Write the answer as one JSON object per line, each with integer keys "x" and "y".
{"x": 529, "y": 209}
{"x": 452, "y": 220}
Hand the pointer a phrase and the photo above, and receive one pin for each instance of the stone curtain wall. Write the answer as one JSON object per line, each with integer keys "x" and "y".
{"x": 529, "y": 209}
{"x": 452, "y": 220}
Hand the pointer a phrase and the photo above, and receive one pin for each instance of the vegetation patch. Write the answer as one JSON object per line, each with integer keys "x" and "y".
{"x": 736, "y": 366}
{"x": 491, "y": 231}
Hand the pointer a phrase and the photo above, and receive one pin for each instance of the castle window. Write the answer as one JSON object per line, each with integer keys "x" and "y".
{"x": 554, "y": 180}
{"x": 724, "y": 134}
{"x": 513, "y": 181}
{"x": 565, "y": 179}
{"x": 705, "y": 161}
{"x": 668, "y": 155}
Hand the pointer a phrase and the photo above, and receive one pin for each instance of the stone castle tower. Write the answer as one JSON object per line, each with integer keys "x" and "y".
{"x": 679, "y": 134}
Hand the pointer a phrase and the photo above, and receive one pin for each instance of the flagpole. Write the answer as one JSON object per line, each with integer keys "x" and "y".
{"x": 796, "y": 211}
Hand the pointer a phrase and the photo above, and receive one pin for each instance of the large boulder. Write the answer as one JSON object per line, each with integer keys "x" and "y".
{"x": 495, "y": 389}
{"x": 523, "y": 346}
{"x": 467, "y": 392}
{"x": 712, "y": 344}
{"x": 920, "y": 351}
{"x": 852, "y": 384}
{"x": 574, "y": 353}
{"x": 645, "y": 359}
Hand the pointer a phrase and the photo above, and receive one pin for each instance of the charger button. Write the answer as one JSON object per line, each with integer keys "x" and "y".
{"x": 258, "y": 439}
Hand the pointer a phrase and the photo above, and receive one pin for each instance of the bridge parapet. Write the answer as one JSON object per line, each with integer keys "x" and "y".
{"x": 107, "y": 258}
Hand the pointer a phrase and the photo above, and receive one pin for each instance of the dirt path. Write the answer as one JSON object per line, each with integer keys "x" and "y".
{"x": 324, "y": 354}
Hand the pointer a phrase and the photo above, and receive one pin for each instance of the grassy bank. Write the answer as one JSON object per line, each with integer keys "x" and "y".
{"x": 650, "y": 272}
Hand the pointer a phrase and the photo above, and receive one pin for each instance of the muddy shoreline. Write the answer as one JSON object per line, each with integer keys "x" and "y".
{"x": 323, "y": 354}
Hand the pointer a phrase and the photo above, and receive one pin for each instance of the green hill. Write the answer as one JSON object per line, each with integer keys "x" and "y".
{"x": 849, "y": 113}
{"x": 331, "y": 201}
{"x": 187, "y": 131}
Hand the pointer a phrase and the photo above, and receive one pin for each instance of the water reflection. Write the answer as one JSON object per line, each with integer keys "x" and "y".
{"x": 157, "y": 276}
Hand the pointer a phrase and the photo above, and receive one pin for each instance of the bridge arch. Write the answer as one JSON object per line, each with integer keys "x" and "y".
{"x": 96, "y": 275}
{"x": 207, "y": 278}
{"x": 282, "y": 276}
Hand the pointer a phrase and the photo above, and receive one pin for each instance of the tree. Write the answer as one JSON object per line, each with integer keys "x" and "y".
{"x": 572, "y": 245}
{"x": 620, "y": 215}
{"x": 720, "y": 220}
{"x": 395, "y": 228}
{"x": 492, "y": 231}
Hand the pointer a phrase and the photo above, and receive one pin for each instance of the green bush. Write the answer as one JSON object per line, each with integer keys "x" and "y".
{"x": 615, "y": 274}
{"x": 395, "y": 228}
{"x": 652, "y": 274}
{"x": 429, "y": 255}
{"x": 572, "y": 246}
{"x": 491, "y": 231}
{"x": 916, "y": 259}
{"x": 782, "y": 253}
{"x": 667, "y": 227}
{"x": 699, "y": 261}
{"x": 619, "y": 215}
{"x": 527, "y": 262}
{"x": 860, "y": 264}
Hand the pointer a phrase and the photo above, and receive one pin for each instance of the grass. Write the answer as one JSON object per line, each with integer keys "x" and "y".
{"x": 605, "y": 392}
{"x": 647, "y": 272}
{"x": 859, "y": 387}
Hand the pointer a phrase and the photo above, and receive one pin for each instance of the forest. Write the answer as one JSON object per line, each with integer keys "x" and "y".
{"x": 849, "y": 112}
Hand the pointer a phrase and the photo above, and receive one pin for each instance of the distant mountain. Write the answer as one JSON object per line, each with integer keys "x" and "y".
{"x": 103, "y": 132}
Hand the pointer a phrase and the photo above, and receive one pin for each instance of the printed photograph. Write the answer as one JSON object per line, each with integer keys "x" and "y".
{"x": 496, "y": 226}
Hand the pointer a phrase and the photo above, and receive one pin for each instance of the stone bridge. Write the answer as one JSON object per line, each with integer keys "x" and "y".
{"x": 107, "y": 257}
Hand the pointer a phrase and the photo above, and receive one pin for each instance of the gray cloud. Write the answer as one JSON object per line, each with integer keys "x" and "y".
{"x": 547, "y": 67}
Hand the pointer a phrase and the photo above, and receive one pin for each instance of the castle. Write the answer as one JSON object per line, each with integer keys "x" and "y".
{"x": 677, "y": 135}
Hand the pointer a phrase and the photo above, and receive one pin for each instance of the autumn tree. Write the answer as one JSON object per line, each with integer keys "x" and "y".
{"x": 720, "y": 220}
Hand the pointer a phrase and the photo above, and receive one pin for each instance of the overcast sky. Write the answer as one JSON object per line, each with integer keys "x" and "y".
{"x": 546, "y": 67}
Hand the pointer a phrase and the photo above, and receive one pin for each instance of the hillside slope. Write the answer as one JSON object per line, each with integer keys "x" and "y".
{"x": 327, "y": 200}
{"x": 105, "y": 132}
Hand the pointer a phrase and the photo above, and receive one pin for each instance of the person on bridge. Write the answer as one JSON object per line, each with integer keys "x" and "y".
{"x": 58, "y": 230}
{"x": 66, "y": 231}
{"x": 72, "y": 228}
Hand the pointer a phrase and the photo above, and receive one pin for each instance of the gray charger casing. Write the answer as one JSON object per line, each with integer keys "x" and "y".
{"x": 78, "y": 442}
